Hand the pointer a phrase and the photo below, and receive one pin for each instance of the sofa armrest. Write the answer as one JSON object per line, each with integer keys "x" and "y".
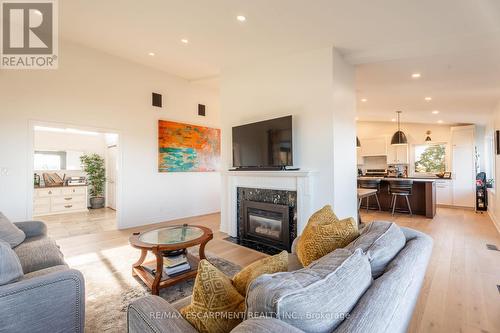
{"x": 154, "y": 314}
{"x": 52, "y": 302}
{"x": 32, "y": 228}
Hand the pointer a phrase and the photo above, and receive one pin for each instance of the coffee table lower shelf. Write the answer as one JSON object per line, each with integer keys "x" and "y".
{"x": 165, "y": 281}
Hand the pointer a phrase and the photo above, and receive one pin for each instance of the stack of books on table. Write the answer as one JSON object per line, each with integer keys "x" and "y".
{"x": 176, "y": 265}
{"x": 172, "y": 266}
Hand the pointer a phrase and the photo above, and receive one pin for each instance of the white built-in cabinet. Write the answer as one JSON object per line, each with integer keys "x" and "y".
{"x": 444, "y": 192}
{"x": 381, "y": 146}
{"x": 58, "y": 200}
{"x": 397, "y": 154}
{"x": 360, "y": 159}
{"x": 463, "y": 169}
{"x": 374, "y": 146}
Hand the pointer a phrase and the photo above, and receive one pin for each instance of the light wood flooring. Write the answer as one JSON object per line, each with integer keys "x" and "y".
{"x": 460, "y": 289}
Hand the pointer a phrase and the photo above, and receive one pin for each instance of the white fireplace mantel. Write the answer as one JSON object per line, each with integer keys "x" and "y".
{"x": 301, "y": 181}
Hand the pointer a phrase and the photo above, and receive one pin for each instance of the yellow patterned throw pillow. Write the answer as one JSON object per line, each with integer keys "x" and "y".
{"x": 268, "y": 265}
{"x": 324, "y": 233}
{"x": 216, "y": 306}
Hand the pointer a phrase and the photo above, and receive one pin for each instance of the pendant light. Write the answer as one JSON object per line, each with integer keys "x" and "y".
{"x": 428, "y": 138}
{"x": 399, "y": 138}
{"x": 358, "y": 144}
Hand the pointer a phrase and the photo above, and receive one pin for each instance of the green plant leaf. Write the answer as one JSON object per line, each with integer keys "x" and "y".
{"x": 93, "y": 165}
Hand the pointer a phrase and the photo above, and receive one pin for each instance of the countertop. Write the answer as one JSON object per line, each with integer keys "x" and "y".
{"x": 61, "y": 186}
{"x": 416, "y": 179}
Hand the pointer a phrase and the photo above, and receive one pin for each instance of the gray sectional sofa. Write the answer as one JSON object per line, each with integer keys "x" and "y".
{"x": 38, "y": 291}
{"x": 372, "y": 285}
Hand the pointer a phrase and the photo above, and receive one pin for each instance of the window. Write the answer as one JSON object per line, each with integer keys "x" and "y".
{"x": 50, "y": 160}
{"x": 430, "y": 158}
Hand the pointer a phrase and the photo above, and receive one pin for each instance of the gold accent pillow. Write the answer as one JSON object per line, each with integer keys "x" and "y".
{"x": 324, "y": 233}
{"x": 216, "y": 306}
{"x": 268, "y": 265}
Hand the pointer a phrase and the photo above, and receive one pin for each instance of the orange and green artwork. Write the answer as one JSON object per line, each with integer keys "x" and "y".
{"x": 187, "y": 148}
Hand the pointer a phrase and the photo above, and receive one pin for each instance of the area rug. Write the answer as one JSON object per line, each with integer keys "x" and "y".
{"x": 110, "y": 286}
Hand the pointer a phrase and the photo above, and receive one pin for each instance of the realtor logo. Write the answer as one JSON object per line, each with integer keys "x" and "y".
{"x": 29, "y": 34}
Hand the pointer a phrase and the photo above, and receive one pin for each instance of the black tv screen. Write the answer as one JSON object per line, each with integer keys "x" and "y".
{"x": 263, "y": 144}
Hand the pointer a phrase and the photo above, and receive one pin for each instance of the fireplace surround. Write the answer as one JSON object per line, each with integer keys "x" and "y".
{"x": 266, "y": 219}
{"x": 293, "y": 189}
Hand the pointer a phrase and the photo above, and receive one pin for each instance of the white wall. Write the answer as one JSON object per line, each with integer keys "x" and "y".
{"x": 96, "y": 90}
{"x": 58, "y": 141}
{"x": 301, "y": 85}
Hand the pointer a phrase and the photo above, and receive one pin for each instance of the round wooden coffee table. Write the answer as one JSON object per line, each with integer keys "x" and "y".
{"x": 171, "y": 238}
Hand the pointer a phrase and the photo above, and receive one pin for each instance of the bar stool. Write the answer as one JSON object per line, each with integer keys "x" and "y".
{"x": 373, "y": 184}
{"x": 401, "y": 188}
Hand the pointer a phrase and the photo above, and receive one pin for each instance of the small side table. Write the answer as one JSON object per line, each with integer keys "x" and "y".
{"x": 168, "y": 239}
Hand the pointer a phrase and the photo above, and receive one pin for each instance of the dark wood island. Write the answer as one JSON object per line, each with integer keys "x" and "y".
{"x": 422, "y": 200}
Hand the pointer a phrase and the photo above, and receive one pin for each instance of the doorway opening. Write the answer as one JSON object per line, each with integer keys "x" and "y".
{"x": 75, "y": 176}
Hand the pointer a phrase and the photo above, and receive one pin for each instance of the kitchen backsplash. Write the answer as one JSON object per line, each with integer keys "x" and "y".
{"x": 374, "y": 162}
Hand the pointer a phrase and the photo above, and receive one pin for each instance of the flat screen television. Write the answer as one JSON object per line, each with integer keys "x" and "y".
{"x": 266, "y": 144}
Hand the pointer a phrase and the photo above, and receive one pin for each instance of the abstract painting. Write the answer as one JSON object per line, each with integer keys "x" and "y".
{"x": 187, "y": 148}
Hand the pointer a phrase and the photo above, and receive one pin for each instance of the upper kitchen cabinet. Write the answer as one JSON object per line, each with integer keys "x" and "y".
{"x": 397, "y": 154}
{"x": 374, "y": 146}
{"x": 360, "y": 159}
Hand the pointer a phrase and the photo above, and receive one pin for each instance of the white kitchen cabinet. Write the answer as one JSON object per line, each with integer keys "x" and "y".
{"x": 374, "y": 146}
{"x": 444, "y": 192}
{"x": 360, "y": 159}
{"x": 397, "y": 154}
{"x": 463, "y": 168}
{"x": 57, "y": 200}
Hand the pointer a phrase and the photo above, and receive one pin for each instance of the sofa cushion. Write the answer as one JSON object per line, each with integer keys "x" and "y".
{"x": 216, "y": 305}
{"x": 265, "y": 325}
{"x": 267, "y": 265}
{"x": 10, "y": 267}
{"x": 324, "y": 233}
{"x": 9, "y": 232}
{"x": 381, "y": 241}
{"x": 316, "y": 298}
{"x": 38, "y": 253}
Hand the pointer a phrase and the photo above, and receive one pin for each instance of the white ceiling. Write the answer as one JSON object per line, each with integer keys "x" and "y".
{"x": 453, "y": 43}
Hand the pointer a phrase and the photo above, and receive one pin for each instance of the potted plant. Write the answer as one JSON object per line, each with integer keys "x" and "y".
{"x": 93, "y": 165}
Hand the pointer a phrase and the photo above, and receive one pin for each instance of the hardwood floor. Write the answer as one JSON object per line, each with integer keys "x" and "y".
{"x": 80, "y": 233}
{"x": 460, "y": 289}
{"x": 74, "y": 224}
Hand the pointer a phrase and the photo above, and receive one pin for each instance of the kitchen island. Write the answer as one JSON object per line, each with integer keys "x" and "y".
{"x": 422, "y": 200}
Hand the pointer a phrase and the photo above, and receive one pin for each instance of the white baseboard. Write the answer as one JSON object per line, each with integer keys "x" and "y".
{"x": 495, "y": 220}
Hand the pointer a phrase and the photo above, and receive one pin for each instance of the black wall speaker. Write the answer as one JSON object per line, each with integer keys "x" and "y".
{"x": 201, "y": 110}
{"x": 157, "y": 100}
{"x": 497, "y": 141}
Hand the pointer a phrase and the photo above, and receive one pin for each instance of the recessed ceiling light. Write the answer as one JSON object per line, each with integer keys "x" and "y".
{"x": 364, "y": 100}
{"x": 241, "y": 18}
{"x": 435, "y": 112}
{"x": 151, "y": 54}
{"x": 440, "y": 121}
{"x": 416, "y": 75}
{"x": 393, "y": 119}
{"x": 428, "y": 99}
{"x": 184, "y": 41}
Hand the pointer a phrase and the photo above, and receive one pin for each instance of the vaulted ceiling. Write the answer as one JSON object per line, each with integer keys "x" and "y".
{"x": 454, "y": 44}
